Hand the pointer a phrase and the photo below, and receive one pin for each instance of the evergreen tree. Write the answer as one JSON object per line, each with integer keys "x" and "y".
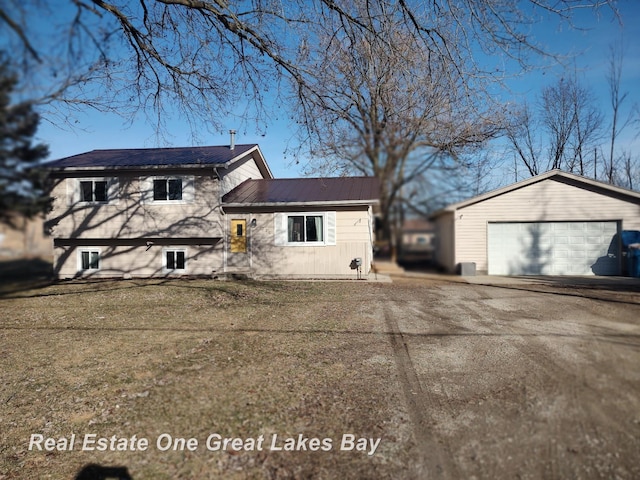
{"x": 22, "y": 180}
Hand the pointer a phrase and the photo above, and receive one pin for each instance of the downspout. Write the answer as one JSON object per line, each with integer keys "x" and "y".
{"x": 370, "y": 225}
{"x": 223, "y": 219}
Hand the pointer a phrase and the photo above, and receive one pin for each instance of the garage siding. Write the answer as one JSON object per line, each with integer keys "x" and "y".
{"x": 547, "y": 200}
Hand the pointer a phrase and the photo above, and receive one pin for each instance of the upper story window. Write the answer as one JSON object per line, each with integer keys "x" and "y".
{"x": 93, "y": 191}
{"x": 167, "y": 189}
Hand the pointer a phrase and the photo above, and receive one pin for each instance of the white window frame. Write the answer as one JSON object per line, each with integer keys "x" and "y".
{"x": 166, "y": 250}
{"x": 75, "y": 190}
{"x": 89, "y": 250}
{"x": 282, "y": 229}
{"x": 147, "y": 189}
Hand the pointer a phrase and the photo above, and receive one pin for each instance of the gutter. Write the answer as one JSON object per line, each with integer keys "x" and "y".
{"x": 317, "y": 203}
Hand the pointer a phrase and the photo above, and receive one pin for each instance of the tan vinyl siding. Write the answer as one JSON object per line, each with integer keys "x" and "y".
{"x": 444, "y": 241}
{"x": 24, "y": 237}
{"x": 198, "y": 215}
{"x": 548, "y": 200}
{"x": 238, "y": 174}
{"x": 139, "y": 261}
{"x": 329, "y": 261}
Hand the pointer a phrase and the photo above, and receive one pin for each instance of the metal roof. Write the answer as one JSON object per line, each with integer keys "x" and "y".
{"x": 151, "y": 157}
{"x": 305, "y": 191}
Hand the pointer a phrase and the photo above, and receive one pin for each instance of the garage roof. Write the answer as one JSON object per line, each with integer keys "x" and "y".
{"x": 557, "y": 175}
{"x": 305, "y": 191}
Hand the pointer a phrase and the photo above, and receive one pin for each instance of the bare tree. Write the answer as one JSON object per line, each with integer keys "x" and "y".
{"x": 618, "y": 124}
{"x": 205, "y": 57}
{"x": 521, "y": 133}
{"x": 569, "y": 124}
{"x": 558, "y": 118}
{"x": 391, "y": 88}
{"x": 587, "y": 130}
{"x": 378, "y": 104}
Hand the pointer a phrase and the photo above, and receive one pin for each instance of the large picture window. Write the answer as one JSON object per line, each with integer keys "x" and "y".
{"x": 305, "y": 228}
{"x": 312, "y": 229}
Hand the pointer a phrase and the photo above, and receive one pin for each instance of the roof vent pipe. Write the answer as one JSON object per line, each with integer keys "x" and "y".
{"x": 232, "y": 141}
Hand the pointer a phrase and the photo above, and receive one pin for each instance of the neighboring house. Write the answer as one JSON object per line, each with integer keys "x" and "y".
{"x": 417, "y": 240}
{"x": 185, "y": 211}
{"x": 556, "y": 223}
{"x": 22, "y": 237}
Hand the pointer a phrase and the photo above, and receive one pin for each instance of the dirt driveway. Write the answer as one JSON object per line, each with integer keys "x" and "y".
{"x": 438, "y": 378}
{"x": 520, "y": 379}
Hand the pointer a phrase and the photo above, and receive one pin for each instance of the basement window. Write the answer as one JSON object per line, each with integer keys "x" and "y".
{"x": 89, "y": 260}
{"x": 175, "y": 260}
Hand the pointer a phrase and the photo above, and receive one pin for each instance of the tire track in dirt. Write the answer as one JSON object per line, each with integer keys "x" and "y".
{"x": 434, "y": 456}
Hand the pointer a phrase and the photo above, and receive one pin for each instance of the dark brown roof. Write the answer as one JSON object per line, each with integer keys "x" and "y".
{"x": 417, "y": 225}
{"x": 151, "y": 157}
{"x": 305, "y": 190}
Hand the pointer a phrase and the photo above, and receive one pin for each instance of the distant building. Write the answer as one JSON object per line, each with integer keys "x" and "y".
{"x": 22, "y": 237}
{"x": 417, "y": 240}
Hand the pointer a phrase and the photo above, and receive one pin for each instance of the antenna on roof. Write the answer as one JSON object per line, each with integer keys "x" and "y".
{"x": 232, "y": 140}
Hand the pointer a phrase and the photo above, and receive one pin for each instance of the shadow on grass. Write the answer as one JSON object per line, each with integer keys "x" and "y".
{"x": 24, "y": 274}
{"x": 98, "y": 472}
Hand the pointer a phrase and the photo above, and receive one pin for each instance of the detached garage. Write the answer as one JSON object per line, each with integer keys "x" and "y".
{"x": 552, "y": 224}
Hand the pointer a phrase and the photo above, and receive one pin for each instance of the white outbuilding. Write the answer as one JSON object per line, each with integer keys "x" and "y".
{"x": 556, "y": 223}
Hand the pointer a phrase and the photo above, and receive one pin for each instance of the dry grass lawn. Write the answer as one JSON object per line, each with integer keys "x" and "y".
{"x": 190, "y": 358}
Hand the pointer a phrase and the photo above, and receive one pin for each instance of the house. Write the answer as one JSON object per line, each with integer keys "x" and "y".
{"x": 556, "y": 223}
{"x": 22, "y": 237}
{"x": 206, "y": 211}
{"x": 417, "y": 241}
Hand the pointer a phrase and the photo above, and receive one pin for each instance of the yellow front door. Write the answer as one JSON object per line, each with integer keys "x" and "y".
{"x": 238, "y": 236}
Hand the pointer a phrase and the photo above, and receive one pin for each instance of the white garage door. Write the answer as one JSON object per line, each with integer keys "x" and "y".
{"x": 553, "y": 248}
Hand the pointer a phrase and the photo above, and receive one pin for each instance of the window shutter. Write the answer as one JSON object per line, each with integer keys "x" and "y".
{"x": 188, "y": 189}
{"x": 331, "y": 228}
{"x": 113, "y": 190}
{"x": 280, "y": 228}
{"x": 73, "y": 191}
{"x": 146, "y": 189}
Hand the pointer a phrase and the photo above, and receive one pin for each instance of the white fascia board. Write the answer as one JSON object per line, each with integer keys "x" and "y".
{"x": 302, "y": 204}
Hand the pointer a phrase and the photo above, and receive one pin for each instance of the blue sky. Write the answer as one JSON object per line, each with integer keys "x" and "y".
{"x": 94, "y": 130}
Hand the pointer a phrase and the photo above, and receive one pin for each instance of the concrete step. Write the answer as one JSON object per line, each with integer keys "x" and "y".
{"x": 387, "y": 267}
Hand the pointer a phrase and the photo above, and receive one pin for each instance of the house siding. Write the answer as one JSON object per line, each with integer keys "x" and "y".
{"x": 445, "y": 241}
{"x": 247, "y": 169}
{"x": 353, "y": 240}
{"x": 133, "y": 217}
{"x": 24, "y": 238}
{"x": 117, "y": 260}
{"x": 547, "y": 200}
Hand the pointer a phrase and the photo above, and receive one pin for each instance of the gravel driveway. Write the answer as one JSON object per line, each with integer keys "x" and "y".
{"x": 519, "y": 379}
{"x": 501, "y": 378}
